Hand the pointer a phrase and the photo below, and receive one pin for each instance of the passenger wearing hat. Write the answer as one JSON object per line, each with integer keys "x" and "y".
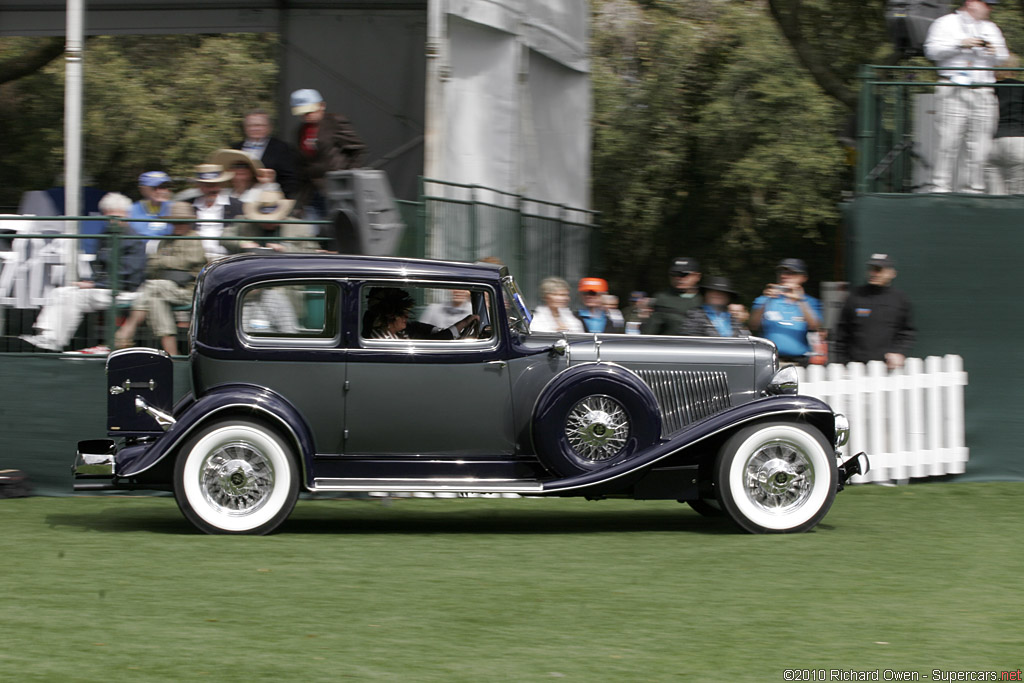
{"x": 670, "y": 306}
{"x": 249, "y": 177}
{"x": 592, "y": 312}
{"x": 214, "y": 207}
{"x": 155, "y": 188}
{"x": 712, "y": 318}
{"x": 271, "y": 207}
{"x": 785, "y": 313}
{"x": 172, "y": 273}
{"x": 326, "y": 142}
{"x": 876, "y": 321}
{"x": 965, "y": 117}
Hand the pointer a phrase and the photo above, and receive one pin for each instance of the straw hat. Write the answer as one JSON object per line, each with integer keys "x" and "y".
{"x": 229, "y": 158}
{"x": 212, "y": 173}
{"x": 271, "y": 206}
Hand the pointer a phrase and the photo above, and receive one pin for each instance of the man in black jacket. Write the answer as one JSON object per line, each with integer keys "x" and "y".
{"x": 875, "y": 323}
{"x": 670, "y": 306}
{"x": 272, "y": 152}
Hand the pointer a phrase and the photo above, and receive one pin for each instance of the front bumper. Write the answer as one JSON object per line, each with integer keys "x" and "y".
{"x": 94, "y": 465}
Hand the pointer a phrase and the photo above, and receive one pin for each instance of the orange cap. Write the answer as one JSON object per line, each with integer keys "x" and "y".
{"x": 593, "y": 284}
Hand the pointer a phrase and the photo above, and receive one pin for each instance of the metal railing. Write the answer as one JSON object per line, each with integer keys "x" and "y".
{"x": 451, "y": 221}
{"x": 895, "y": 125}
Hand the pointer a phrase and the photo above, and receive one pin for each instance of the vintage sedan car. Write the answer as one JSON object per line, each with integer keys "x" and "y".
{"x": 295, "y": 388}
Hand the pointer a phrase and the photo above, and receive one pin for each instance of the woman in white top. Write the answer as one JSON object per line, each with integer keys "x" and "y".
{"x": 555, "y": 315}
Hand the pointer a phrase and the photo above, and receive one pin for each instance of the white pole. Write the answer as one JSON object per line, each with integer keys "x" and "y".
{"x": 73, "y": 53}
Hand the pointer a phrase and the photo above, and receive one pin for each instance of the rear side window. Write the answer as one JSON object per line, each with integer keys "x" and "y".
{"x": 290, "y": 312}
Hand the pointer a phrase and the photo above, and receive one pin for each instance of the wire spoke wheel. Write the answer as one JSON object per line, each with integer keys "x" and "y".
{"x": 236, "y": 477}
{"x": 597, "y": 428}
{"x": 777, "y": 477}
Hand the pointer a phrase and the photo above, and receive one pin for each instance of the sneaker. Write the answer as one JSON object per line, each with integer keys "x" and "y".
{"x": 39, "y": 341}
{"x": 99, "y": 350}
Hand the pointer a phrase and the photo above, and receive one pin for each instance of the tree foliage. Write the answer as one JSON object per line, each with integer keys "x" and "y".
{"x": 710, "y": 140}
{"x": 150, "y": 102}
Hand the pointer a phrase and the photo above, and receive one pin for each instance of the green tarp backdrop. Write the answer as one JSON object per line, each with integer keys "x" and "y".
{"x": 959, "y": 259}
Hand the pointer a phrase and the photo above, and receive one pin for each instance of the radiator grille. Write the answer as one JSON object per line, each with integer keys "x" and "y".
{"x": 687, "y": 396}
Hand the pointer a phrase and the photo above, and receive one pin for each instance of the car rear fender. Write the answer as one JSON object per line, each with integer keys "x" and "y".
{"x": 243, "y": 399}
{"x": 696, "y": 437}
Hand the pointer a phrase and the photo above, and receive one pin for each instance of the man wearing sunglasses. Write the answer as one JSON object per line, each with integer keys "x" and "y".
{"x": 670, "y": 306}
{"x": 785, "y": 313}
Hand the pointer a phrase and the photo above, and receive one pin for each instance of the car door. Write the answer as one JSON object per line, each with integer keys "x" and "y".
{"x": 436, "y": 396}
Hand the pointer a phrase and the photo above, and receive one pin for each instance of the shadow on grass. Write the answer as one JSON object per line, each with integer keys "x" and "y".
{"x": 363, "y": 517}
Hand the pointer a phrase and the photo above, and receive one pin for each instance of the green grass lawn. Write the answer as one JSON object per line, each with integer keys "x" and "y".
{"x": 121, "y": 588}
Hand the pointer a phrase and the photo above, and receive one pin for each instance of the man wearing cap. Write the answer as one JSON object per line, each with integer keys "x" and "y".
{"x": 213, "y": 207}
{"x": 155, "y": 188}
{"x": 713, "y": 318}
{"x": 592, "y": 313}
{"x": 326, "y": 142}
{"x": 670, "y": 306}
{"x": 964, "y": 116}
{"x": 271, "y": 207}
{"x": 785, "y": 313}
{"x": 875, "y": 323}
{"x": 273, "y": 153}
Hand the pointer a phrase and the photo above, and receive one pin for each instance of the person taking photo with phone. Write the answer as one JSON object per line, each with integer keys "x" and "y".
{"x": 785, "y": 314}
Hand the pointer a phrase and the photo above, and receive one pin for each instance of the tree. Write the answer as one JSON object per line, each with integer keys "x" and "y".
{"x": 150, "y": 102}
{"x": 710, "y": 140}
{"x": 20, "y": 63}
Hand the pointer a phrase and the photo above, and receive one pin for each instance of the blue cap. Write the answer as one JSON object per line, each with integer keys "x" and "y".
{"x": 305, "y": 101}
{"x": 153, "y": 179}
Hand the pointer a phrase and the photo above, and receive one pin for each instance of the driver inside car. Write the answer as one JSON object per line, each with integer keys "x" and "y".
{"x": 387, "y": 317}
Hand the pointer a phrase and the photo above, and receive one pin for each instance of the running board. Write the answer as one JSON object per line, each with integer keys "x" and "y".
{"x": 459, "y": 485}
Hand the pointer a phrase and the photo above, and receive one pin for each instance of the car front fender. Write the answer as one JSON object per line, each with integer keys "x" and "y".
{"x": 678, "y": 448}
{"x": 244, "y": 399}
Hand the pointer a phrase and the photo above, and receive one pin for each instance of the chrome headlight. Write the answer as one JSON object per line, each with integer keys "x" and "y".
{"x": 785, "y": 381}
{"x": 842, "y": 430}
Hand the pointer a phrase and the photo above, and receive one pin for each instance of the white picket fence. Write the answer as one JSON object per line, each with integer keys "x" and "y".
{"x": 910, "y": 422}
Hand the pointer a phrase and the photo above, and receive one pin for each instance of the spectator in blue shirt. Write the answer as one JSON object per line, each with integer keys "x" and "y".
{"x": 784, "y": 314}
{"x": 155, "y": 188}
{"x": 593, "y": 313}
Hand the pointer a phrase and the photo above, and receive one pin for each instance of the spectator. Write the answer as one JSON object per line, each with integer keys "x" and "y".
{"x": 65, "y": 306}
{"x": 785, "y": 313}
{"x": 447, "y": 314}
{"x": 271, "y": 207}
{"x": 1005, "y": 172}
{"x": 214, "y": 207}
{"x": 616, "y": 322}
{"x": 965, "y": 117}
{"x": 592, "y": 313}
{"x": 172, "y": 271}
{"x": 712, "y": 318}
{"x": 639, "y": 310}
{"x": 875, "y": 323}
{"x": 555, "y": 315}
{"x": 249, "y": 178}
{"x": 155, "y": 188}
{"x": 273, "y": 153}
{"x": 326, "y": 142}
{"x": 671, "y": 305}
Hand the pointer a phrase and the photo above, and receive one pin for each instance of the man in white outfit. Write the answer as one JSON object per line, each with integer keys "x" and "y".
{"x": 965, "y": 115}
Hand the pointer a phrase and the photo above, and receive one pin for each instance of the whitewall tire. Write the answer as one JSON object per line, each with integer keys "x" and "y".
{"x": 236, "y": 477}
{"x": 776, "y": 477}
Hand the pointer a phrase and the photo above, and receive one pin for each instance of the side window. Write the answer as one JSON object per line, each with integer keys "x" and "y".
{"x": 436, "y": 313}
{"x": 307, "y": 311}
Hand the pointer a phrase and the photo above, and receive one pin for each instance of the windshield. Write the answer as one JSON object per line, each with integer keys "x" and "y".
{"x": 515, "y": 306}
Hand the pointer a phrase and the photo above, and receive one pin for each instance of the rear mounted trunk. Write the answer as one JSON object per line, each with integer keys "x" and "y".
{"x": 134, "y": 374}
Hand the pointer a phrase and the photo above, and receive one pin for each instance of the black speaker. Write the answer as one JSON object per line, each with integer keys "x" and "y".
{"x": 364, "y": 214}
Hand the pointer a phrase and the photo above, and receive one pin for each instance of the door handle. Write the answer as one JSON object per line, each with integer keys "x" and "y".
{"x": 498, "y": 363}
